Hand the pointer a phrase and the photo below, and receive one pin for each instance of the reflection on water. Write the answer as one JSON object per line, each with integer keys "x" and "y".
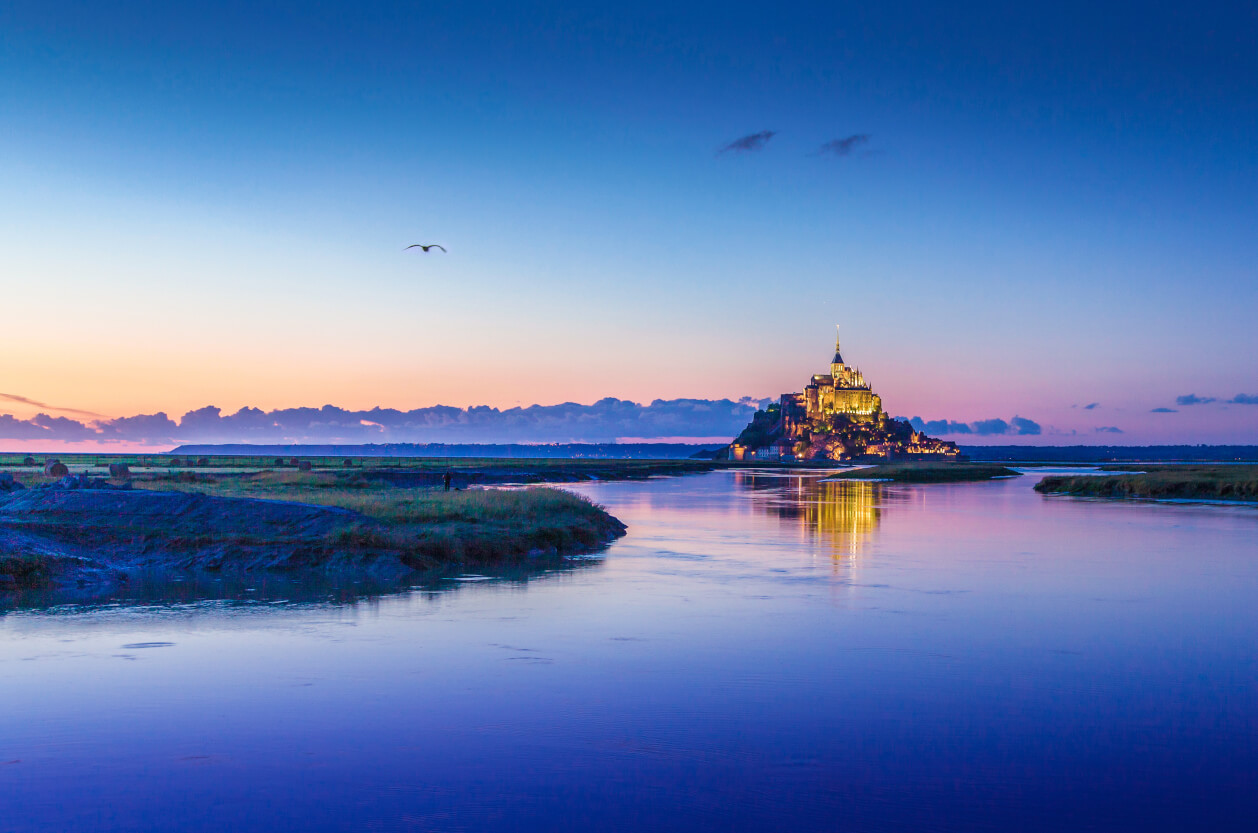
{"x": 839, "y": 515}
{"x": 289, "y": 588}
{"x": 1002, "y": 661}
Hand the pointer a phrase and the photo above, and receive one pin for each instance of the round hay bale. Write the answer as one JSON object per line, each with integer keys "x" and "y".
{"x": 294, "y": 461}
{"x": 279, "y": 461}
{"x": 175, "y": 462}
{"x": 29, "y": 461}
{"x": 56, "y": 468}
{"x": 349, "y": 464}
{"x": 203, "y": 461}
{"x": 119, "y": 471}
{"x": 303, "y": 465}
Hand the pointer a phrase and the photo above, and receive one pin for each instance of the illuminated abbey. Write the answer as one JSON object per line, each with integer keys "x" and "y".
{"x": 836, "y": 417}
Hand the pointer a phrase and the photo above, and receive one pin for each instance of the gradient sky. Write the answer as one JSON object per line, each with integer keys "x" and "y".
{"x": 1056, "y": 206}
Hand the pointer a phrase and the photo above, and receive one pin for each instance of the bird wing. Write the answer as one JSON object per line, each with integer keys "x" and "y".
{"x": 413, "y": 245}
{"x": 439, "y": 246}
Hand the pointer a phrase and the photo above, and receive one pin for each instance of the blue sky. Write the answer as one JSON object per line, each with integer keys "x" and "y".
{"x": 1056, "y": 205}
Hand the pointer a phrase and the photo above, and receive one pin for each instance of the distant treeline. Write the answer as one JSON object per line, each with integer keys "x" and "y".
{"x": 597, "y": 451}
{"x": 1112, "y": 453}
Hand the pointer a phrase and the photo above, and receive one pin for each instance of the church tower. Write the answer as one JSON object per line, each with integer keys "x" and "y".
{"x": 837, "y": 366}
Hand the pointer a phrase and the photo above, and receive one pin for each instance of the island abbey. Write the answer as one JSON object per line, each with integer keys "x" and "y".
{"x": 836, "y": 417}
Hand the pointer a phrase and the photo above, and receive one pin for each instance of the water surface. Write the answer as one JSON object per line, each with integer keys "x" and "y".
{"x": 761, "y": 652}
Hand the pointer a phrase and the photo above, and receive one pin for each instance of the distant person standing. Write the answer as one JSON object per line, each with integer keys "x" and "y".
{"x": 445, "y": 481}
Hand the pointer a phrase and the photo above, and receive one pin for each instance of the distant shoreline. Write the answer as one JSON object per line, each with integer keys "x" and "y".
{"x": 1111, "y": 453}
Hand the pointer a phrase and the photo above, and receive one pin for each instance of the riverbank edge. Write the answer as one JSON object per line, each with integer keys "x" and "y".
{"x": 51, "y": 539}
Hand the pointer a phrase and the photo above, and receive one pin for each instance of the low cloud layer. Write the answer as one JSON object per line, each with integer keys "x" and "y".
{"x": 1109, "y": 429}
{"x": 749, "y": 143}
{"x": 1163, "y": 411}
{"x": 1244, "y": 399}
{"x": 844, "y": 146}
{"x": 1018, "y": 426}
{"x": 604, "y": 421}
{"x": 1193, "y": 399}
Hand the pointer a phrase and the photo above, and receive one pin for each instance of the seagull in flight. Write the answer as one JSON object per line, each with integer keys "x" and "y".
{"x": 426, "y": 248}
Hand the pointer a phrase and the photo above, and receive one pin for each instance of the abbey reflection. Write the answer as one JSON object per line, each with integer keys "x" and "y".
{"x": 840, "y": 514}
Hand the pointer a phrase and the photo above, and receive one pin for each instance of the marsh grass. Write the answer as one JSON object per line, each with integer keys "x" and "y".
{"x": 1186, "y": 482}
{"x": 929, "y": 472}
{"x": 430, "y": 526}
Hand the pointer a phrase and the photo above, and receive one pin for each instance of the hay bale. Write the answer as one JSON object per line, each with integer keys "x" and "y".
{"x": 349, "y": 464}
{"x": 279, "y": 461}
{"x": 29, "y": 461}
{"x": 294, "y": 461}
{"x": 119, "y": 471}
{"x": 203, "y": 461}
{"x": 56, "y": 468}
{"x": 303, "y": 465}
{"x": 175, "y": 462}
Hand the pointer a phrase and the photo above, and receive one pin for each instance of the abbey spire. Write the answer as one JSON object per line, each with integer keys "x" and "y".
{"x": 837, "y": 416}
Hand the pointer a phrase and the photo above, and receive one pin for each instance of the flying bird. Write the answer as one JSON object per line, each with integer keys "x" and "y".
{"x": 426, "y": 248}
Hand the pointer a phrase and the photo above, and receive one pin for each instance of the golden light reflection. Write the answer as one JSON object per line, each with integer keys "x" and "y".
{"x": 845, "y": 513}
{"x": 841, "y": 515}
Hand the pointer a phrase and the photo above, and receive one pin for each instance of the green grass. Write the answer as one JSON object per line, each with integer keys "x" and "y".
{"x": 929, "y": 472}
{"x": 431, "y": 526}
{"x": 1189, "y": 482}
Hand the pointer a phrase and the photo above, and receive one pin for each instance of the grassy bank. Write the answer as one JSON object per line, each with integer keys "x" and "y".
{"x": 1190, "y": 482}
{"x": 929, "y": 472}
{"x": 431, "y": 525}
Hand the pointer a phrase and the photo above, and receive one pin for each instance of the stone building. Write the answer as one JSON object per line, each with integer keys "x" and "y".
{"x": 837, "y": 416}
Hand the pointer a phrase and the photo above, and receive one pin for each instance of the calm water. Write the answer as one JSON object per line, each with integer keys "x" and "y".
{"x": 760, "y": 653}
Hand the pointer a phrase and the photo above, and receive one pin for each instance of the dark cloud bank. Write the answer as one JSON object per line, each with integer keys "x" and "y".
{"x": 1194, "y": 399}
{"x": 605, "y": 421}
{"x": 983, "y": 428}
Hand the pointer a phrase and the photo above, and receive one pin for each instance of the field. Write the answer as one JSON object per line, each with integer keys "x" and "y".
{"x": 422, "y": 470}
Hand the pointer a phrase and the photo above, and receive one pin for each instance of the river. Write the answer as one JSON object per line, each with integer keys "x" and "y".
{"x": 761, "y": 652}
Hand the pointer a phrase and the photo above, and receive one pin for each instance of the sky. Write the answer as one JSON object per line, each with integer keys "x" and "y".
{"x": 1035, "y": 212}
